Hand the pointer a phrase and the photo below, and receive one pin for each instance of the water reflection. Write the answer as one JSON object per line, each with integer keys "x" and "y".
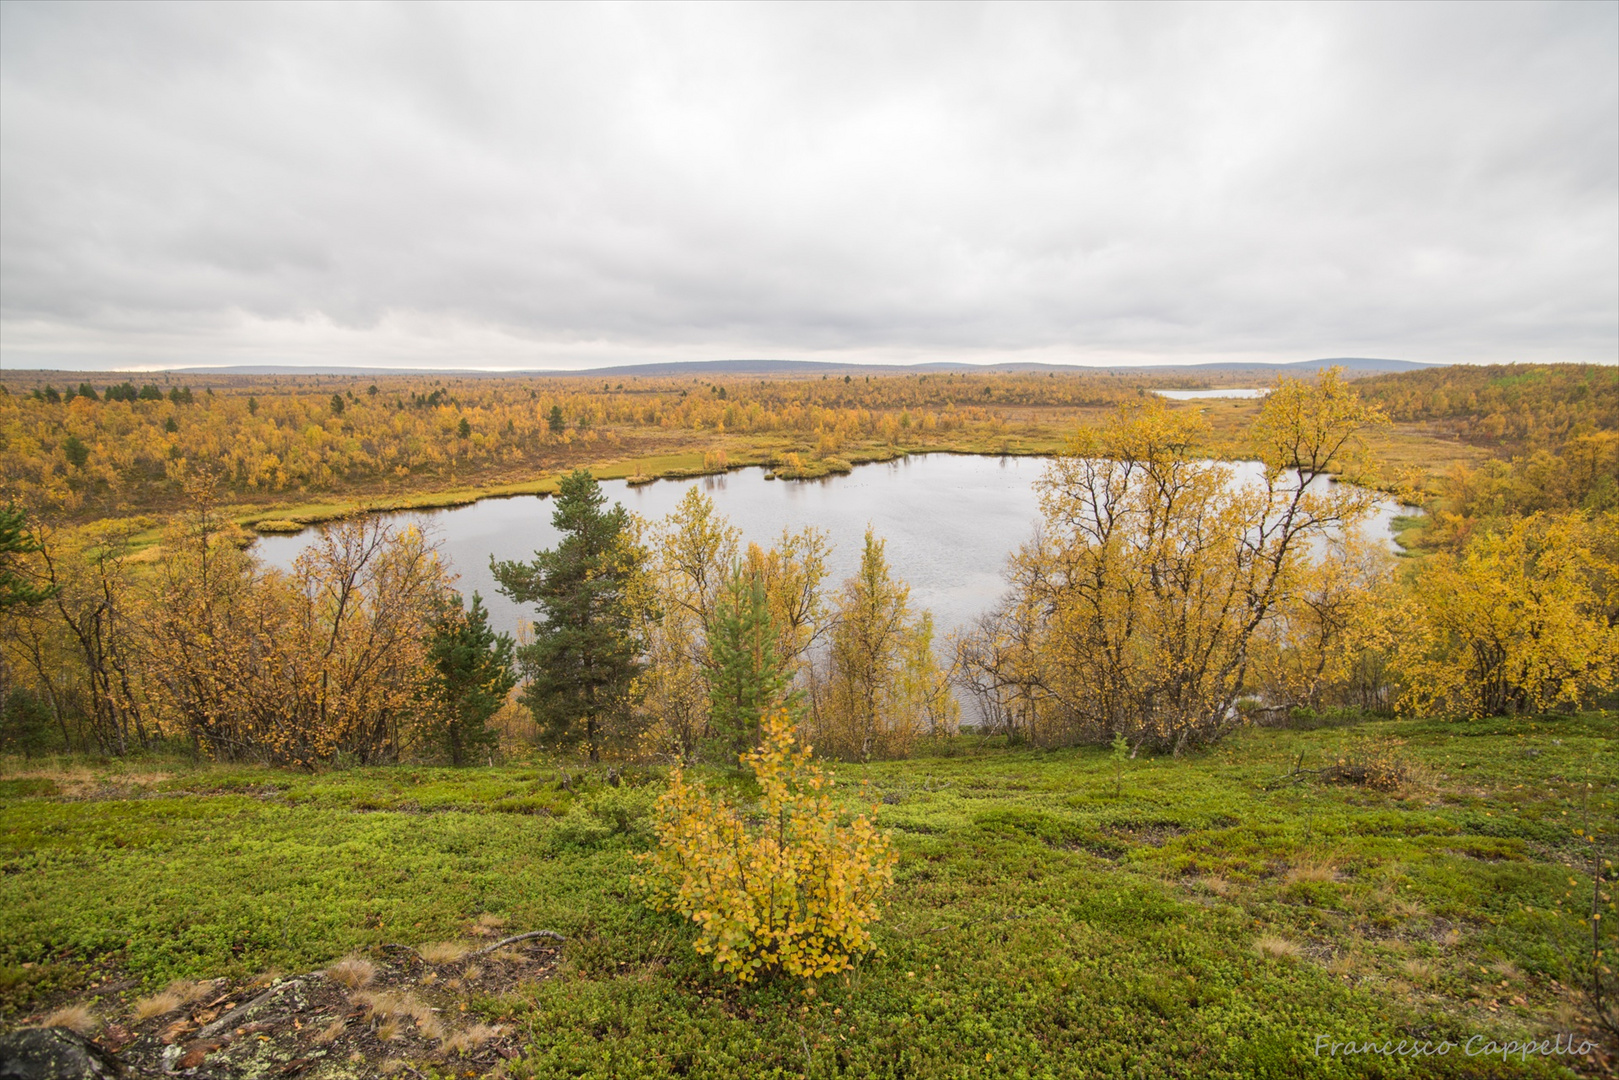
{"x": 950, "y": 521}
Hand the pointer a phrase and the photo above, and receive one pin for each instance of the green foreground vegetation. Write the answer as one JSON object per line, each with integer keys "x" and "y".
{"x": 1057, "y": 913}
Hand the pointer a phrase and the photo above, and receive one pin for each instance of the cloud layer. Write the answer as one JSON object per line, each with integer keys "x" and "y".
{"x": 561, "y": 186}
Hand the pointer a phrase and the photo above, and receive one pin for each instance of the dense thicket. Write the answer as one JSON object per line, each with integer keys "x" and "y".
{"x": 353, "y": 655}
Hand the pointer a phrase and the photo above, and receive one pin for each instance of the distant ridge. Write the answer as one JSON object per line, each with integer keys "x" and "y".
{"x": 1354, "y": 365}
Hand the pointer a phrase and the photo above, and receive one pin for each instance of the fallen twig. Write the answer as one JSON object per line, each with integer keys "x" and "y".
{"x": 503, "y": 942}
{"x": 400, "y": 948}
{"x": 228, "y": 1021}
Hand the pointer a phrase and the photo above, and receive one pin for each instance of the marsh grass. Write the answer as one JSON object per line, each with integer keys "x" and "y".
{"x": 1035, "y": 917}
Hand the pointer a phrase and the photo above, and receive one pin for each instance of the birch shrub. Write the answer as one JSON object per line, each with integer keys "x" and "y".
{"x": 796, "y": 893}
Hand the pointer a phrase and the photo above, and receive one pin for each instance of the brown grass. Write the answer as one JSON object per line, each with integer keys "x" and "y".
{"x": 1279, "y": 947}
{"x": 487, "y": 925}
{"x": 1311, "y": 871}
{"x": 331, "y": 1031}
{"x": 80, "y": 782}
{"x": 390, "y": 1009}
{"x": 157, "y": 1005}
{"x": 77, "y": 1018}
{"x": 444, "y": 952}
{"x": 1420, "y": 971}
{"x": 354, "y": 972}
{"x": 470, "y": 1039}
{"x": 1345, "y": 962}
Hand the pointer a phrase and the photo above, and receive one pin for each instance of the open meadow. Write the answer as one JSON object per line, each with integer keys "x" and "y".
{"x": 1054, "y": 914}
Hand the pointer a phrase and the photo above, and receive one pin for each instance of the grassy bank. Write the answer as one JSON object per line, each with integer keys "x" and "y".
{"x": 1409, "y": 454}
{"x": 1413, "y": 455}
{"x": 1050, "y": 917}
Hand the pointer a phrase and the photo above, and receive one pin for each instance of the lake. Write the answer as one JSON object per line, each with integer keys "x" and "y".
{"x": 950, "y": 521}
{"x": 1227, "y": 392}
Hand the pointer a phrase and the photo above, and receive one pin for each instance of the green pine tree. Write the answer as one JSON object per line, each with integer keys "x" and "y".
{"x": 15, "y": 540}
{"x": 747, "y": 675}
{"x": 582, "y": 666}
{"x": 555, "y": 421}
{"x": 472, "y": 674}
{"x": 25, "y": 723}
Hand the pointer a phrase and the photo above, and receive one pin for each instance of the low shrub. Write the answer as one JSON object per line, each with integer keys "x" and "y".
{"x": 796, "y": 893}
{"x": 594, "y": 816}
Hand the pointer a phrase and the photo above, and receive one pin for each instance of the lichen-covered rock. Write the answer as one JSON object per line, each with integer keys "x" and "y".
{"x": 54, "y": 1053}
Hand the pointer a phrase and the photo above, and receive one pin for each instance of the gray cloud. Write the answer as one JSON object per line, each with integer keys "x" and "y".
{"x": 553, "y": 186}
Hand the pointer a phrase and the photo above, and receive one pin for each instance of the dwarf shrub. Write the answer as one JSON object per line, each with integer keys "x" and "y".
{"x": 795, "y": 893}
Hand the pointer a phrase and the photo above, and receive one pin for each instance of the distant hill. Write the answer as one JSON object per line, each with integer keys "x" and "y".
{"x": 1353, "y": 365}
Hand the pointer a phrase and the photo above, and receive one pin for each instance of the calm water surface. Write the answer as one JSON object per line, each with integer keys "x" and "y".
{"x": 1226, "y": 392}
{"x": 949, "y": 520}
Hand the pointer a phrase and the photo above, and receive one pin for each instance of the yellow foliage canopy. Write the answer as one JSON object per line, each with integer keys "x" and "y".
{"x": 1524, "y": 618}
{"x": 796, "y": 894}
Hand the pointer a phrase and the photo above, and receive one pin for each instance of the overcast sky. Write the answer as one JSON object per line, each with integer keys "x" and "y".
{"x": 550, "y": 186}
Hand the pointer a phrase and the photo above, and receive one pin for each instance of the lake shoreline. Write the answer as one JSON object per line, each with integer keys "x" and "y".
{"x": 294, "y": 519}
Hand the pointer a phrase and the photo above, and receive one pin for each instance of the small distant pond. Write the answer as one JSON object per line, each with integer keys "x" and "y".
{"x": 950, "y": 521}
{"x": 1225, "y": 392}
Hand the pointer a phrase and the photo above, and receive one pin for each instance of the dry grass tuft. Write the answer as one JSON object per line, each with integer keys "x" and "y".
{"x": 331, "y": 1031}
{"x": 1311, "y": 871}
{"x": 391, "y": 1066}
{"x": 1217, "y": 885}
{"x": 1420, "y": 971}
{"x": 191, "y": 992}
{"x": 391, "y": 1009}
{"x": 157, "y": 1005}
{"x": 389, "y": 1030}
{"x": 430, "y": 1026}
{"x": 444, "y": 952}
{"x": 1402, "y": 908}
{"x": 1279, "y": 947}
{"x": 383, "y": 1004}
{"x": 487, "y": 925}
{"x": 1345, "y": 962}
{"x": 470, "y": 1039}
{"x": 471, "y": 971}
{"x": 77, "y": 1018}
{"x": 354, "y": 972}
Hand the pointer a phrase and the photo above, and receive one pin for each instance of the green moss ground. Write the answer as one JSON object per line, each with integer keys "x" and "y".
{"x": 1040, "y": 924}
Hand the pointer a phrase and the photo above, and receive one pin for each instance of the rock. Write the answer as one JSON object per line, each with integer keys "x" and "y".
{"x": 54, "y": 1054}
